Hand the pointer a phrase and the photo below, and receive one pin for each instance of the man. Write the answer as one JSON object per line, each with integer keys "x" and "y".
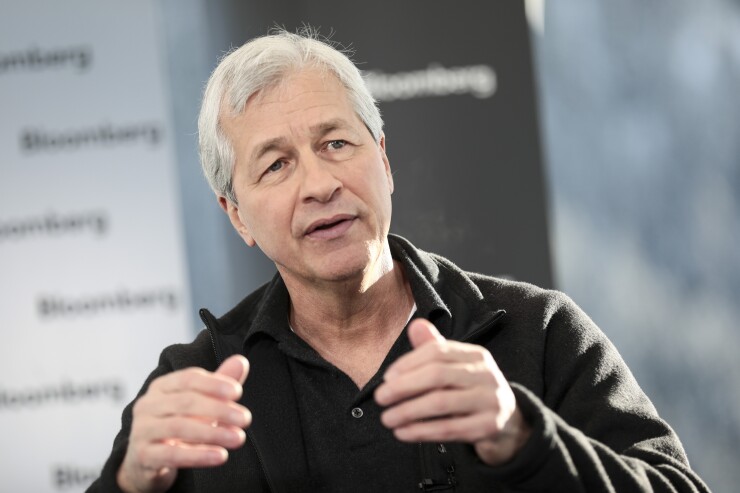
{"x": 367, "y": 364}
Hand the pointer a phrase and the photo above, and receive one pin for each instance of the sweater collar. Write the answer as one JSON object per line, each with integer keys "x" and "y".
{"x": 439, "y": 287}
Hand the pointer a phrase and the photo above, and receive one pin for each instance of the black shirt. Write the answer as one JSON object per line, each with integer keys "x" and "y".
{"x": 347, "y": 448}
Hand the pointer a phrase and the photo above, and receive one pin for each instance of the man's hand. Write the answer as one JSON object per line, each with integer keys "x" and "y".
{"x": 187, "y": 418}
{"x": 448, "y": 391}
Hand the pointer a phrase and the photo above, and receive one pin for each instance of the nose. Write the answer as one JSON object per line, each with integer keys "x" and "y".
{"x": 319, "y": 181}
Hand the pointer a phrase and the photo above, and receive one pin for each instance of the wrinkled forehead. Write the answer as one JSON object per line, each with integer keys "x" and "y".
{"x": 306, "y": 103}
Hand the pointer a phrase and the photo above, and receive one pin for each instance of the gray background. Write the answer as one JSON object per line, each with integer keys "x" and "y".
{"x": 641, "y": 117}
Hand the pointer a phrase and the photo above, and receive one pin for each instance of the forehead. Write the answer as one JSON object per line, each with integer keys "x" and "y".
{"x": 305, "y": 83}
{"x": 300, "y": 101}
{"x": 294, "y": 112}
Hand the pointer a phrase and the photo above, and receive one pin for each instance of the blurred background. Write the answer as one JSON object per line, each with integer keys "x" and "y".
{"x": 640, "y": 110}
{"x": 611, "y": 131}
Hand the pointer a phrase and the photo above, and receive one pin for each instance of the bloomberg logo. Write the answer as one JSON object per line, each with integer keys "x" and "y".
{"x": 33, "y": 140}
{"x": 477, "y": 80}
{"x": 64, "y": 392}
{"x": 54, "y": 224}
{"x": 123, "y": 300}
{"x": 66, "y": 476}
{"x": 35, "y": 58}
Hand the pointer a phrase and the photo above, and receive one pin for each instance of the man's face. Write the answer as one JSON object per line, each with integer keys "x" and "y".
{"x": 312, "y": 185}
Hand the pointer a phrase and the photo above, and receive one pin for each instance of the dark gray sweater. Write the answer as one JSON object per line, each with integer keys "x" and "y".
{"x": 593, "y": 428}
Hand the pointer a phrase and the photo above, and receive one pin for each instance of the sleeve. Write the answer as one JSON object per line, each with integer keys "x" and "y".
{"x": 593, "y": 428}
{"x": 172, "y": 358}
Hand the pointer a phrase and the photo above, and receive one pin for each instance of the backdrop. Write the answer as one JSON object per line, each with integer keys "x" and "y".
{"x": 93, "y": 270}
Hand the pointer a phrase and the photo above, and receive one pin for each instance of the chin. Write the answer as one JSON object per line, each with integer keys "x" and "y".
{"x": 347, "y": 263}
{"x": 343, "y": 272}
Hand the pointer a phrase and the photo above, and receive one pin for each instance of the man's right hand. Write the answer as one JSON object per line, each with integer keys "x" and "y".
{"x": 187, "y": 418}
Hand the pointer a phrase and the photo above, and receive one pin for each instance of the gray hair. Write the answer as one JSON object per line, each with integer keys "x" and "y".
{"x": 260, "y": 64}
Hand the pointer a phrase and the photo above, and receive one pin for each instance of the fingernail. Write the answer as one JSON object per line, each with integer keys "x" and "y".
{"x": 217, "y": 456}
{"x": 229, "y": 390}
{"x": 239, "y": 418}
{"x": 233, "y": 437}
{"x": 240, "y": 436}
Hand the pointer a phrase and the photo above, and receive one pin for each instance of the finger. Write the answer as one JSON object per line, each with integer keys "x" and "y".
{"x": 175, "y": 455}
{"x": 422, "y": 331}
{"x": 433, "y": 376}
{"x": 198, "y": 380}
{"x": 439, "y": 404}
{"x": 194, "y": 404}
{"x": 236, "y": 367}
{"x": 189, "y": 430}
{"x": 432, "y": 351}
{"x": 469, "y": 429}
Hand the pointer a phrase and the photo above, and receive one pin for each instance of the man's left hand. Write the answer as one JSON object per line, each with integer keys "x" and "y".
{"x": 449, "y": 391}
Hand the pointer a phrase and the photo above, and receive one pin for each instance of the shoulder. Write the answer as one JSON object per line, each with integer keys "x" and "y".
{"x": 536, "y": 318}
{"x": 548, "y": 305}
{"x": 515, "y": 297}
{"x": 198, "y": 353}
{"x": 527, "y": 306}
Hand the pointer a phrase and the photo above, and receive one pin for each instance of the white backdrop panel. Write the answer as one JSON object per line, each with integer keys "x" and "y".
{"x": 92, "y": 272}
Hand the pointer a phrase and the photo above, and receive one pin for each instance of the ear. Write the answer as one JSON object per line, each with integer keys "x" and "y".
{"x": 386, "y": 163}
{"x": 232, "y": 210}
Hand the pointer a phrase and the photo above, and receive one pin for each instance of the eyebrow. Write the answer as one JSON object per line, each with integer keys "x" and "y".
{"x": 324, "y": 128}
{"x": 318, "y": 130}
{"x": 268, "y": 146}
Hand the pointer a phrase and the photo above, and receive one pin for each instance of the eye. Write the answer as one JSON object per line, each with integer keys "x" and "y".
{"x": 274, "y": 167}
{"x": 335, "y": 145}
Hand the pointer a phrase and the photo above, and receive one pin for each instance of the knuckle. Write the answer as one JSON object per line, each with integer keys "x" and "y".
{"x": 491, "y": 401}
{"x": 470, "y": 368}
{"x": 489, "y": 377}
{"x": 449, "y": 432}
{"x": 177, "y": 427}
{"x": 490, "y": 426}
{"x": 402, "y": 414}
{"x": 484, "y": 356}
{"x": 141, "y": 455}
{"x": 437, "y": 374}
{"x": 476, "y": 354}
{"x": 156, "y": 384}
{"x": 439, "y": 404}
{"x": 137, "y": 410}
{"x": 223, "y": 413}
{"x": 188, "y": 403}
{"x": 474, "y": 435}
{"x": 169, "y": 454}
{"x": 187, "y": 375}
{"x": 440, "y": 348}
{"x": 140, "y": 429}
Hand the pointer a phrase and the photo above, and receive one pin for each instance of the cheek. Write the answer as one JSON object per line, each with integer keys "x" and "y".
{"x": 268, "y": 215}
{"x": 384, "y": 185}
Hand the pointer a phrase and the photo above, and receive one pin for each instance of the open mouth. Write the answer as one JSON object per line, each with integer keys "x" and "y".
{"x": 324, "y": 227}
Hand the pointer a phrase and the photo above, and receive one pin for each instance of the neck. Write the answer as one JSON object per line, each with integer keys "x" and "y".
{"x": 353, "y": 312}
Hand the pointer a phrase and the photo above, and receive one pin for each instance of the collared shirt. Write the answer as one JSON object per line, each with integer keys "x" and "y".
{"x": 347, "y": 447}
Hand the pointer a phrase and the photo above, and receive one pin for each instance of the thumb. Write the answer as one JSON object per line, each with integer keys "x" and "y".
{"x": 236, "y": 367}
{"x": 422, "y": 331}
